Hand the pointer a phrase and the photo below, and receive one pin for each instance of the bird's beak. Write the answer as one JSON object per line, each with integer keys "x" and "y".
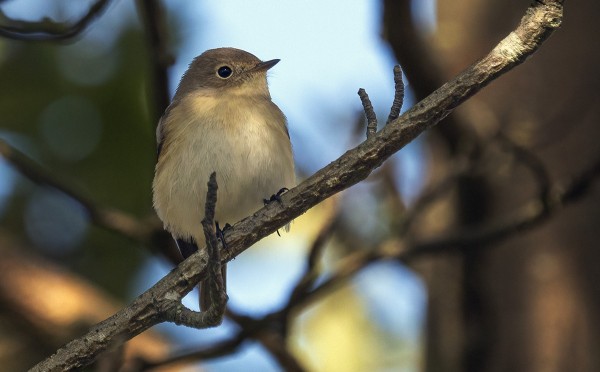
{"x": 264, "y": 66}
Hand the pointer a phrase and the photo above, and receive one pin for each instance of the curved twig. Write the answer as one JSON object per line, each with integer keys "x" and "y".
{"x": 50, "y": 31}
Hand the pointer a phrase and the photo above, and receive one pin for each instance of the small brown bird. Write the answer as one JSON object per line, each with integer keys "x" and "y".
{"x": 222, "y": 119}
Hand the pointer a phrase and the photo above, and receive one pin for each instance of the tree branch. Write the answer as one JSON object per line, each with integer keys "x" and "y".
{"x": 538, "y": 23}
{"x": 46, "y": 30}
{"x": 398, "y": 95}
{"x": 110, "y": 219}
{"x": 529, "y": 216}
{"x": 369, "y": 112}
{"x": 215, "y": 350}
{"x": 213, "y": 315}
{"x": 148, "y": 233}
{"x": 144, "y": 312}
{"x": 357, "y": 163}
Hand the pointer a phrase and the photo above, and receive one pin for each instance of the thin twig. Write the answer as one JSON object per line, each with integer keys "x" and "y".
{"x": 215, "y": 350}
{"x": 149, "y": 232}
{"x": 431, "y": 194}
{"x": 530, "y": 160}
{"x": 276, "y": 345}
{"x": 398, "y": 95}
{"x": 108, "y": 218}
{"x": 176, "y": 312}
{"x": 369, "y": 113}
{"x": 310, "y": 273}
{"x": 50, "y": 31}
{"x": 269, "y": 332}
{"x": 530, "y": 215}
{"x": 216, "y": 286}
{"x": 422, "y": 68}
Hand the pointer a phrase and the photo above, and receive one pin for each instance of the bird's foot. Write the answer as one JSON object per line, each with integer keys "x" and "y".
{"x": 276, "y": 197}
{"x": 221, "y": 233}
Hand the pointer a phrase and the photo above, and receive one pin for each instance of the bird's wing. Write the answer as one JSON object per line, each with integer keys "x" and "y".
{"x": 160, "y": 132}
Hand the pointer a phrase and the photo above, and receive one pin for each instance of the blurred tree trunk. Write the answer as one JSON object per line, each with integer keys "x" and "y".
{"x": 529, "y": 304}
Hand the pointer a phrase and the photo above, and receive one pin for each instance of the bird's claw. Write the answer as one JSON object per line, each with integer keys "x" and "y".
{"x": 221, "y": 233}
{"x": 276, "y": 197}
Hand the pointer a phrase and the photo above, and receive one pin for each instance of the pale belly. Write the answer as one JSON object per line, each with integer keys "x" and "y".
{"x": 250, "y": 167}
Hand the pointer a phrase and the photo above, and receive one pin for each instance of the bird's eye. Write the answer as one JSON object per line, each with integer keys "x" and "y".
{"x": 224, "y": 72}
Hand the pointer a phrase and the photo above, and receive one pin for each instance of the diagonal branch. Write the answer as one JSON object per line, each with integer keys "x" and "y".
{"x": 108, "y": 218}
{"x": 355, "y": 165}
{"x": 527, "y": 217}
{"x": 46, "y": 30}
{"x": 217, "y": 349}
{"x": 146, "y": 232}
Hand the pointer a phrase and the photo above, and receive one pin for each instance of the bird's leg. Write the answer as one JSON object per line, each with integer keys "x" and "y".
{"x": 221, "y": 233}
{"x": 276, "y": 197}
